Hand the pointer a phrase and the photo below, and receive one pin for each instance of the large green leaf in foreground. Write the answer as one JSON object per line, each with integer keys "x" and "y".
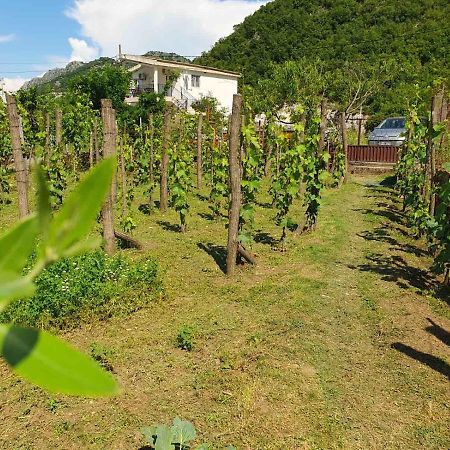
{"x": 52, "y": 364}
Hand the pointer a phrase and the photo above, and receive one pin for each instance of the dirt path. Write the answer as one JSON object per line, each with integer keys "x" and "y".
{"x": 336, "y": 344}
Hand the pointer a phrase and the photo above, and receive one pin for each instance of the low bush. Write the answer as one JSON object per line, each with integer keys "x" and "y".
{"x": 185, "y": 338}
{"x": 84, "y": 287}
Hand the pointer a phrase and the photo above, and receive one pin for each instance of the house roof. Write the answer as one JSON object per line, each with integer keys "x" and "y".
{"x": 175, "y": 65}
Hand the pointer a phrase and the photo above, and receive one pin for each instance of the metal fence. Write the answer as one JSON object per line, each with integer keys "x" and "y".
{"x": 373, "y": 153}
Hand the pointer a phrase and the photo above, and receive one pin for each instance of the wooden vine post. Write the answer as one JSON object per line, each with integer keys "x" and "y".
{"x": 323, "y": 124}
{"x": 344, "y": 143}
{"x": 19, "y": 162}
{"x": 235, "y": 184}
{"x": 164, "y": 189}
{"x": 109, "y": 149}
{"x": 47, "y": 139}
{"x": 436, "y": 108}
{"x": 58, "y": 128}
{"x": 199, "y": 151}
{"x": 96, "y": 143}
{"x": 91, "y": 149}
{"x": 151, "y": 173}
{"x": 123, "y": 178}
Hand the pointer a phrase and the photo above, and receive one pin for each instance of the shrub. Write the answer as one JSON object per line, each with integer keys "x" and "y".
{"x": 86, "y": 286}
{"x": 185, "y": 338}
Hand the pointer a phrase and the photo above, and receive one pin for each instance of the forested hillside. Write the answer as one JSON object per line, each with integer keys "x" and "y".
{"x": 409, "y": 34}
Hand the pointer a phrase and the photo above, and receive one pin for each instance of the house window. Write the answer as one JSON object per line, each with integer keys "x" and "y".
{"x": 195, "y": 81}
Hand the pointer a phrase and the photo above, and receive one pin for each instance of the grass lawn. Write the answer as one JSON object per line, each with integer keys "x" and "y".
{"x": 339, "y": 343}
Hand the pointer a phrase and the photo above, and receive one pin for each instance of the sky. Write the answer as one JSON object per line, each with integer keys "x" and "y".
{"x": 36, "y": 36}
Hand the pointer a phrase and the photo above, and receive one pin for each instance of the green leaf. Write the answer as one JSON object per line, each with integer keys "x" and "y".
{"x": 14, "y": 286}
{"x": 446, "y": 166}
{"x": 149, "y": 434}
{"x": 183, "y": 431}
{"x": 17, "y": 244}
{"x": 77, "y": 216}
{"x": 51, "y": 364}
{"x": 164, "y": 439}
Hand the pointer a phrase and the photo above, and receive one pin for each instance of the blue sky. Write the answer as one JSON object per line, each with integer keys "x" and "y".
{"x": 36, "y": 30}
{"x": 42, "y": 34}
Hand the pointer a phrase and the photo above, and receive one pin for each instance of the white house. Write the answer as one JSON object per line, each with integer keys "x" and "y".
{"x": 193, "y": 83}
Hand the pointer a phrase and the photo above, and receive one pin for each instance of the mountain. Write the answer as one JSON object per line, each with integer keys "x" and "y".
{"x": 58, "y": 79}
{"x": 416, "y": 32}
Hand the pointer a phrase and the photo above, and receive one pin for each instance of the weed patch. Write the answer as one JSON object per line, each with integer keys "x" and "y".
{"x": 87, "y": 286}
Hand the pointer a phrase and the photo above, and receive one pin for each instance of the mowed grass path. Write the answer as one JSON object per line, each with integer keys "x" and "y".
{"x": 336, "y": 344}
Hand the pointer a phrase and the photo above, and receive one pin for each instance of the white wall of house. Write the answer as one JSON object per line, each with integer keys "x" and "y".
{"x": 191, "y": 84}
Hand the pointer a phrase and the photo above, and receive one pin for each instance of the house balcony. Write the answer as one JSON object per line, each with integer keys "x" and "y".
{"x": 134, "y": 94}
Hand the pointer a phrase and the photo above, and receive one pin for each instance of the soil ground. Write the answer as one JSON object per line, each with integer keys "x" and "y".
{"x": 342, "y": 342}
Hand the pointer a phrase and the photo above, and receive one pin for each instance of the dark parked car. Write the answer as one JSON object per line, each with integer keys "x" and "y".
{"x": 390, "y": 132}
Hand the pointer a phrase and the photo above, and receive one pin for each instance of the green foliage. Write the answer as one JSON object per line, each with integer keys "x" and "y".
{"x": 357, "y": 33}
{"x": 219, "y": 176}
{"x": 441, "y": 229}
{"x": 181, "y": 157}
{"x": 413, "y": 185}
{"x": 83, "y": 287}
{"x": 102, "y": 355}
{"x": 286, "y": 176}
{"x": 185, "y": 338}
{"x": 315, "y": 175}
{"x": 57, "y": 177}
{"x": 77, "y": 123}
{"x": 411, "y": 172}
{"x": 109, "y": 81}
{"x": 252, "y": 173}
{"x": 179, "y": 436}
{"x": 36, "y": 355}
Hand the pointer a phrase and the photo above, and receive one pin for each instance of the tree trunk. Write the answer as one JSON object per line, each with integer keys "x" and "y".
{"x": 199, "y": 151}
{"x": 344, "y": 144}
{"x": 19, "y": 163}
{"x": 109, "y": 150}
{"x": 235, "y": 184}
{"x": 151, "y": 174}
{"x": 164, "y": 189}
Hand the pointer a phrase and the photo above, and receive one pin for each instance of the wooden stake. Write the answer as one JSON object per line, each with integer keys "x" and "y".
{"x": 199, "y": 151}
{"x": 323, "y": 124}
{"x": 344, "y": 144}
{"x": 235, "y": 184}
{"x": 96, "y": 146}
{"x": 19, "y": 163}
{"x": 123, "y": 178}
{"x": 151, "y": 174}
{"x": 164, "y": 190}
{"x": 47, "y": 139}
{"x": 91, "y": 149}
{"x": 109, "y": 149}
{"x": 58, "y": 127}
{"x": 436, "y": 106}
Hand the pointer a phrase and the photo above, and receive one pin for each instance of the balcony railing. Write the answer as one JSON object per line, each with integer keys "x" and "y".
{"x": 135, "y": 92}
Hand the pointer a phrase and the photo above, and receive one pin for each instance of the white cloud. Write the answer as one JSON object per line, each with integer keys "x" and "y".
{"x": 82, "y": 51}
{"x": 182, "y": 26}
{"x": 7, "y": 38}
{"x": 12, "y": 84}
